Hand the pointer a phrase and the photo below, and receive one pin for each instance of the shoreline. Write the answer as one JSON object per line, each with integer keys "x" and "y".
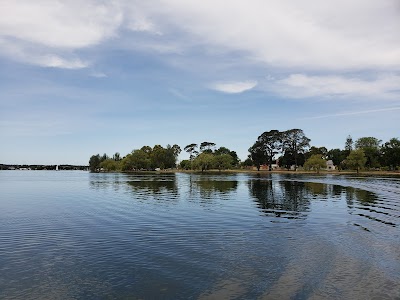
{"x": 264, "y": 172}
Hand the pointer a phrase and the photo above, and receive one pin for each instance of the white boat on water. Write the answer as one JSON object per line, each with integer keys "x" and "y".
{"x": 57, "y": 168}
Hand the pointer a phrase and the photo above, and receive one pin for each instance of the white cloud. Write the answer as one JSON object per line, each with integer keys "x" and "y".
{"x": 59, "y": 24}
{"x": 46, "y": 33}
{"x": 310, "y": 34}
{"x": 302, "y": 85}
{"x": 234, "y": 87}
{"x": 37, "y": 56}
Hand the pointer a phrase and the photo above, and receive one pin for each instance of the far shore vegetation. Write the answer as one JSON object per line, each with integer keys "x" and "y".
{"x": 274, "y": 151}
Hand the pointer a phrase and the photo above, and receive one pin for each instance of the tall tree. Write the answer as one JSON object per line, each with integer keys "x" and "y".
{"x": 348, "y": 145}
{"x": 206, "y": 147}
{"x": 371, "y": 148}
{"x": 257, "y": 154}
{"x": 295, "y": 142}
{"x": 191, "y": 149}
{"x": 271, "y": 142}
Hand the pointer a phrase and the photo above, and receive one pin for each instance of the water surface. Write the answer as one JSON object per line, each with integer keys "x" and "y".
{"x": 76, "y": 235}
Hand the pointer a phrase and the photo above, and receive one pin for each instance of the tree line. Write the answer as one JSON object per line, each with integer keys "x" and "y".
{"x": 288, "y": 149}
{"x": 294, "y": 149}
{"x": 145, "y": 158}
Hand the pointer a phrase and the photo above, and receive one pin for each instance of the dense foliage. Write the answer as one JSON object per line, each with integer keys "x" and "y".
{"x": 287, "y": 149}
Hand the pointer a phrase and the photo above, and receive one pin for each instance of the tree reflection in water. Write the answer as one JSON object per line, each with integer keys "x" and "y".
{"x": 163, "y": 187}
{"x": 287, "y": 199}
{"x": 211, "y": 188}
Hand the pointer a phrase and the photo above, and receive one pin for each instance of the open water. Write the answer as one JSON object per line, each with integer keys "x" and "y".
{"x": 76, "y": 235}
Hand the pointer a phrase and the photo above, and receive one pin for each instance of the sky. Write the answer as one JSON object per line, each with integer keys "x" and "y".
{"x": 79, "y": 78}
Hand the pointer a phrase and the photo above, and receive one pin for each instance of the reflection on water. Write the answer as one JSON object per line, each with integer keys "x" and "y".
{"x": 161, "y": 186}
{"x": 288, "y": 199}
{"x": 75, "y": 235}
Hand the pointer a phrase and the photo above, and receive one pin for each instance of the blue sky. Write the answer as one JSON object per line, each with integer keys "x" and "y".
{"x": 84, "y": 77}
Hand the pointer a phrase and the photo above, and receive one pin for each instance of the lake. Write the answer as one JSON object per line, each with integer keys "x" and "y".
{"x": 77, "y": 235}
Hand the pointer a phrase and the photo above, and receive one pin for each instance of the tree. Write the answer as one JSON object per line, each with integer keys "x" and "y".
{"x": 185, "y": 164}
{"x": 371, "y": 148}
{"x": 337, "y": 156}
{"x": 116, "y": 156}
{"x": 247, "y": 163}
{"x": 257, "y": 154}
{"x": 157, "y": 157}
{"x": 207, "y": 147}
{"x": 147, "y": 150}
{"x": 137, "y": 160}
{"x": 233, "y": 154}
{"x": 271, "y": 143}
{"x": 104, "y": 157}
{"x": 191, "y": 149}
{"x": 94, "y": 163}
{"x": 348, "y": 147}
{"x": 322, "y": 151}
{"x": 222, "y": 161}
{"x": 110, "y": 165}
{"x": 203, "y": 161}
{"x": 356, "y": 160}
{"x": 315, "y": 162}
{"x": 391, "y": 153}
{"x": 171, "y": 155}
{"x": 295, "y": 142}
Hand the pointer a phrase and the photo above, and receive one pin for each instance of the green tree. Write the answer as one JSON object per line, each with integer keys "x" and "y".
{"x": 233, "y": 154}
{"x": 207, "y": 147}
{"x": 356, "y": 160}
{"x": 104, "y": 157}
{"x": 322, "y": 151}
{"x": 222, "y": 161}
{"x": 391, "y": 153}
{"x": 257, "y": 154}
{"x": 171, "y": 155}
{"x": 337, "y": 156}
{"x": 158, "y": 157}
{"x": 110, "y": 165}
{"x": 371, "y": 148}
{"x": 191, "y": 149}
{"x": 137, "y": 160}
{"x": 271, "y": 142}
{"x": 94, "y": 163}
{"x": 186, "y": 164}
{"x": 315, "y": 162}
{"x": 203, "y": 161}
{"x": 294, "y": 143}
{"x": 247, "y": 163}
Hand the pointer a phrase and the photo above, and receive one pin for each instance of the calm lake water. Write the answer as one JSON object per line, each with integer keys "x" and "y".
{"x": 76, "y": 235}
